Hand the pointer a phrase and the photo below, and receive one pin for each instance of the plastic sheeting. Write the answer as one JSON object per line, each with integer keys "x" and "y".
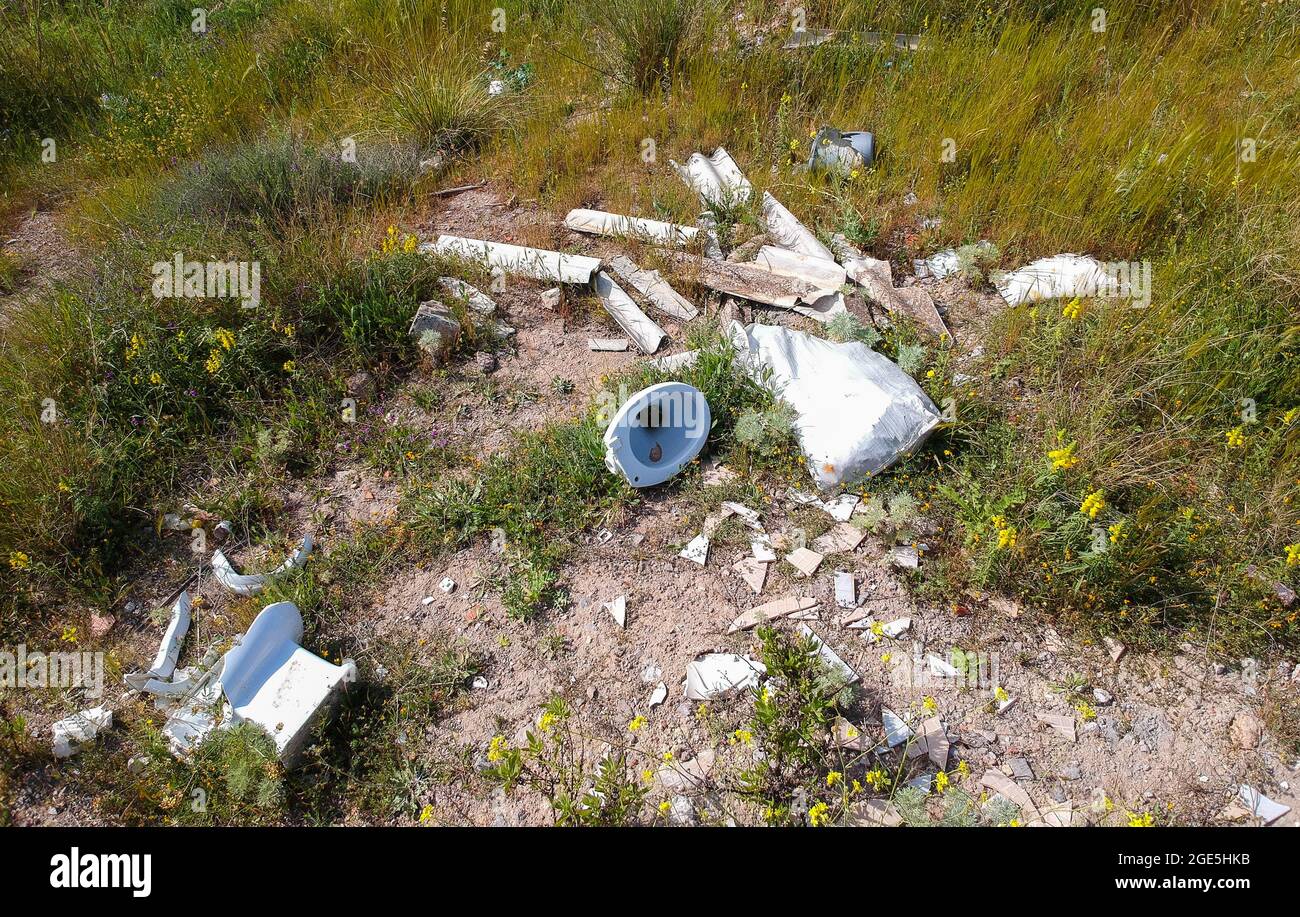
{"x": 857, "y": 412}
{"x": 1057, "y": 277}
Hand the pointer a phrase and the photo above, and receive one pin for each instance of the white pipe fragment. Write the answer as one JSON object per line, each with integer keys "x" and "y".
{"x": 648, "y": 336}
{"x": 717, "y": 179}
{"x": 820, "y": 272}
{"x": 607, "y": 345}
{"x": 537, "y": 263}
{"x": 169, "y": 650}
{"x": 785, "y": 228}
{"x": 253, "y": 583}
{"x": 603, "y": 223}
{"x": 654, "y": 288}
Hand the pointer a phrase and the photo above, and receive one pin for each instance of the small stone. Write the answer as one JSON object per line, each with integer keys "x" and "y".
{"x": 448, "y": 585}
{"x": 1245, "y": 730}
{"x": 1020, "y": 768}
{"x": 552, "y": 298}
{"x": 1114, "y": 648}
{"x": 1104, "y": 698}
{"x": 905, "y": 558}
{"x": 435, "y": 330}
{"x": 1071, "y": 771}
{"x": 681, "y": 813}
{"x": 101, "y": 624}
{"x": 487, "y": 362}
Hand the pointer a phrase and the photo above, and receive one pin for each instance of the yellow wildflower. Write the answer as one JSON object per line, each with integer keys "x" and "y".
{"x": 224, "y": 337}
{"x": 1236, "y": 439}
{"x": 1140, "y": 820}
{"x": 497, "y": 749}
{"x": 636, "y": 724}
{"x": 1093, "y": 504}
{"x": 546, "y": 722}
{"x": 1293, "y": 554}
{"x": 833, "y": 778}
{"x": 426, "y": 815}
{"x": 941, "y": 782}
{"x": 1073, "y": 309}
{"x": 19, "y": 561}
{"x": 743, "y": 736}
{"x": 1063, "y": 457}
{"x": 819, "y": 815}
{"x": 289, "y": 366}
{"x": 213, "y": 363}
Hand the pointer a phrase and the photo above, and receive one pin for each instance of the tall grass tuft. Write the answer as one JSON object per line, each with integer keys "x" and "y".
{"x": 446, "y": 109}
{"x": 647, "y": 42}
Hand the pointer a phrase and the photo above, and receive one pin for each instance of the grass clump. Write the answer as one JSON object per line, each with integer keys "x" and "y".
{"x": 447, "y": 110}
{"x": 647, "y": 42}
{"x": 283, "y": 179}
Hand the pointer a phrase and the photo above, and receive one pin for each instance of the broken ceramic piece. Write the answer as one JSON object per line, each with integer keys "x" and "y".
{"x": 845, "y": 590}
{"x": 247, "y": 584}
{"x": 697, "y": 551}
{"x": 896, "y": 731}
{"x": 771, "y": 611}
{"x": 829, "y": 656}
{"x": 270, "y": 680}
{"x": 721, "y": 674}
{"x": 169, "y": 650}
{"x": 844, "y": 536}
{"x": 761, "y": 547}
{"x": 753, "y": 572}
{"x": 618, "y": 610}
{"x": 1260, "y": 805}
{"x": 475, "y": 298}
{"x": 73, "y": 732}
{"x": 841, "y": 508}
{"x": 804, "y": 560}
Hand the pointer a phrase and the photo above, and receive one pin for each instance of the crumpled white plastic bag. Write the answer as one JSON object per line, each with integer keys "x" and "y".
{"x": 856, "y": 411}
